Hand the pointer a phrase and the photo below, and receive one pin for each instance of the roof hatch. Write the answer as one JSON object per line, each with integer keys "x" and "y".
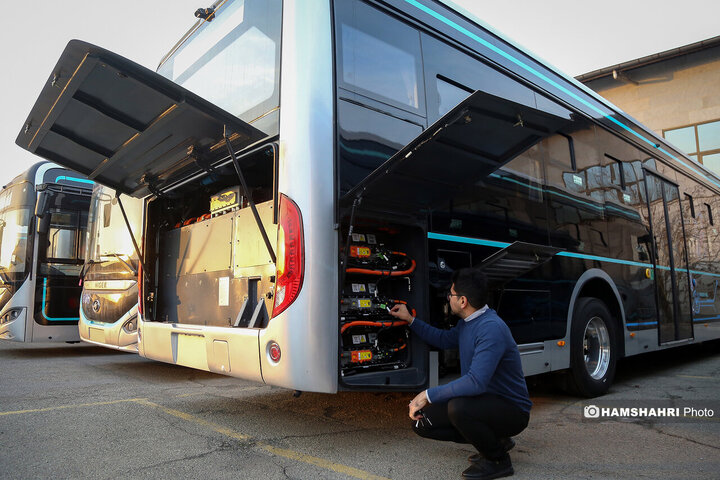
{"x": 124, "y": 125}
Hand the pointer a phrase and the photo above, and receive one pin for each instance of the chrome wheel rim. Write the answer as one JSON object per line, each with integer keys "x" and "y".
{"x": 596, "y": 348}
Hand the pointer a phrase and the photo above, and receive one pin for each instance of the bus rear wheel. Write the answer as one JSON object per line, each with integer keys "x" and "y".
{"x": 593, "y": 348}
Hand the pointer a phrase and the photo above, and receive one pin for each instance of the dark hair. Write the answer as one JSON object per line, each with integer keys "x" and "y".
{"x": 472, "y": 284}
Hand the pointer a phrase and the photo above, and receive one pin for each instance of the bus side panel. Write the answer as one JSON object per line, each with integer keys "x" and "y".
{"x": 307, "y": 332}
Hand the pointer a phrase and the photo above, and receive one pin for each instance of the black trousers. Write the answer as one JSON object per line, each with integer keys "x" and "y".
{"x": 480, "y": 421}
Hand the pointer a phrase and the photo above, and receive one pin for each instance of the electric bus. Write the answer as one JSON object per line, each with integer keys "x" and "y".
{"x": 307, "y": 165}
{"x": 43, "y": 215}
{"x": 108, "y": 313}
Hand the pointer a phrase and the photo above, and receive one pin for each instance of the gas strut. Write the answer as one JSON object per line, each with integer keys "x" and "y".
{"x": 132, "y": 237}
{"x": 226, "y": 135}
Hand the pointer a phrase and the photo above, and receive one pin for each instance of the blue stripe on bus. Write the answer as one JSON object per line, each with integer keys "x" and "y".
{"x": 497, "y": 244}
{"x": 697, "y": 320}
{"x": 51, "y": 319}
{"x": 74, "y": 179}
{"x": 549, "y": 81}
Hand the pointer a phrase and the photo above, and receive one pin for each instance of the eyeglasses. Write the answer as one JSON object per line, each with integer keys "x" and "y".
{"x": 450, "y": 294}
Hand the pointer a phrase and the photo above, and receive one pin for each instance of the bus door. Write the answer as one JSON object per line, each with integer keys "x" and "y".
{"x": 672, "y": 282}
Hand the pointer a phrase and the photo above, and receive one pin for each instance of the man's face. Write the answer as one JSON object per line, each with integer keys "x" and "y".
{"x": 454, "y": 301}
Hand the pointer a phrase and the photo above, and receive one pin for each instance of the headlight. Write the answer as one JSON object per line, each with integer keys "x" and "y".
{"x": 131, "y": 325}
{"x": 11, "y": 315}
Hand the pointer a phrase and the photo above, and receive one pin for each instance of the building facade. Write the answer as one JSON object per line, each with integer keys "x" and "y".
{"x": 676, "y": 93}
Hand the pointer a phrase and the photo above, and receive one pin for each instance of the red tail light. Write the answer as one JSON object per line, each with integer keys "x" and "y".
{"x": 290, "y": 256}
{"x": 140, "y": 289}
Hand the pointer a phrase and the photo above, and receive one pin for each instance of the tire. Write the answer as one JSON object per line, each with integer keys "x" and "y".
{"x": 593, "y": 348}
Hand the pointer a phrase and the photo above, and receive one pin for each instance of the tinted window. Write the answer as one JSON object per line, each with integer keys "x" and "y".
{"x": 450, "y": 95}
{"x": 379, "y": 56}
{"x": 233, "y": 61}
{"x": 367, "y": 139}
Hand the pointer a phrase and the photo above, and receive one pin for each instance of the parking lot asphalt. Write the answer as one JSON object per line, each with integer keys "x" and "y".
{"x": 81, "y": 411}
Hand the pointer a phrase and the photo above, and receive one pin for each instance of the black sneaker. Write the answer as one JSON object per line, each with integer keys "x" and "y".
{"x": 506, "y": 443}
{"x": 488, "y": 469}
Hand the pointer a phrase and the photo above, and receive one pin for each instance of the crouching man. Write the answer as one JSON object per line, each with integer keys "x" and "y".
{"x": 489, "y": 403}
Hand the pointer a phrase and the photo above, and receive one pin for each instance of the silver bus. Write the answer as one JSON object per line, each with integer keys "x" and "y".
{"x": 306, "y": 165}
{"x": 108, "y": 313}
{"x": 43, "y": 215}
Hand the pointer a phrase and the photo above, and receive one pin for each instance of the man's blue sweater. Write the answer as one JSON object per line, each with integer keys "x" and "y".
{"x": 489, "y": 359}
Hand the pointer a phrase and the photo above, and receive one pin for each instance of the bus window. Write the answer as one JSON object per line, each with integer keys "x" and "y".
{"x": 62, "y": 236}
{"x": 367, "y": 139}
{"x": 379, "y": 56}
{"x": 450, "y": 94}
{"x": 234, "y": 61}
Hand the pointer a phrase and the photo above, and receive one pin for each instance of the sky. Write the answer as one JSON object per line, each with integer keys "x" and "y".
{"x": 573, "y": 35}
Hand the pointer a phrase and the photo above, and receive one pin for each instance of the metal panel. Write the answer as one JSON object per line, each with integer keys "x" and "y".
{"x": 198, "y": 248}
{"x": 123, "y": 125}
{"x": 248, "y": 246}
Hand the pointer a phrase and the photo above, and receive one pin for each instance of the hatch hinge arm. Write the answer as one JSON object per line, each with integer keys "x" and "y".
{"x": 251, "y": 202}
{"x": 132, "y": 237}
{"x": 150, "y": 184}
{"x": 194, "y": 153}
{"x": 346, "y": 253}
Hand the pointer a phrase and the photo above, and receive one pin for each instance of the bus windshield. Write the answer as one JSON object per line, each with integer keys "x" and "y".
{"x": 110, "y": 252}
{"x": 233, "y": 61}
{"x": 16, "y": 203}
{"x": 14, "y": 227}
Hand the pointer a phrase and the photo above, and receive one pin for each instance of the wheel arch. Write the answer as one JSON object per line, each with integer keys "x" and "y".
{"x": 598, "y": 284}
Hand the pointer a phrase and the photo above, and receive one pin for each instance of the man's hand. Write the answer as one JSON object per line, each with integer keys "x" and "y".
{"x": 417, "y": 403}
{"x": 400, "y": 311}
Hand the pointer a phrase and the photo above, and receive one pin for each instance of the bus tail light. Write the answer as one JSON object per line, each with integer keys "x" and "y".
{"x": 290, "y": 256}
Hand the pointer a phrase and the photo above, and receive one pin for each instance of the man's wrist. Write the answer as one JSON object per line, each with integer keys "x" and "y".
{"x": 427, "y": 396}
{"x": 412, "y": 319}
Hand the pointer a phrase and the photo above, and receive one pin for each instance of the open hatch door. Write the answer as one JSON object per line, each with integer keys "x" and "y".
{"x": 516, "y": 260}
{"x": 124, "y": 125}
{"x": 474, "y": 139}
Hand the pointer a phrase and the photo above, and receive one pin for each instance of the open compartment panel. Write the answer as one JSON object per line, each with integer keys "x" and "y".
{"x": 385, "y": 266}
{"x": 206, "y": 256}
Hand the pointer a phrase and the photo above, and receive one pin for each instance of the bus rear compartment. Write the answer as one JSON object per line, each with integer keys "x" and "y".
{"x": 210, "y": 263}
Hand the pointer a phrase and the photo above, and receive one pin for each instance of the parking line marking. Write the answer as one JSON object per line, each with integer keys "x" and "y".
{"x": 321, "y": 462}
{"x": 282, "y": 452}
{"x": 191, "y": 418}
{"x": 696, "y": 376}
{"x": 61, "y": 407}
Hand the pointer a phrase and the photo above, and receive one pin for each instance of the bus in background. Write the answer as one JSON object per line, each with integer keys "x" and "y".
{"x": 404, "y": 140}
{"x": 108, "y": 313}
{"x": 43, "y": 216}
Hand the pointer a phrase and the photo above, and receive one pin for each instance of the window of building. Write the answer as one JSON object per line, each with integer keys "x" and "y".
{"x": 700, "y": 141}
{"x": 709, "y": 211}
{"x": 617, "y": 172}
{"x": 689, "y": 200}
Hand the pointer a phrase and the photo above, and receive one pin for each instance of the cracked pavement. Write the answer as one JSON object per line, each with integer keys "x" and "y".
{"x": 80, "y": 411}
